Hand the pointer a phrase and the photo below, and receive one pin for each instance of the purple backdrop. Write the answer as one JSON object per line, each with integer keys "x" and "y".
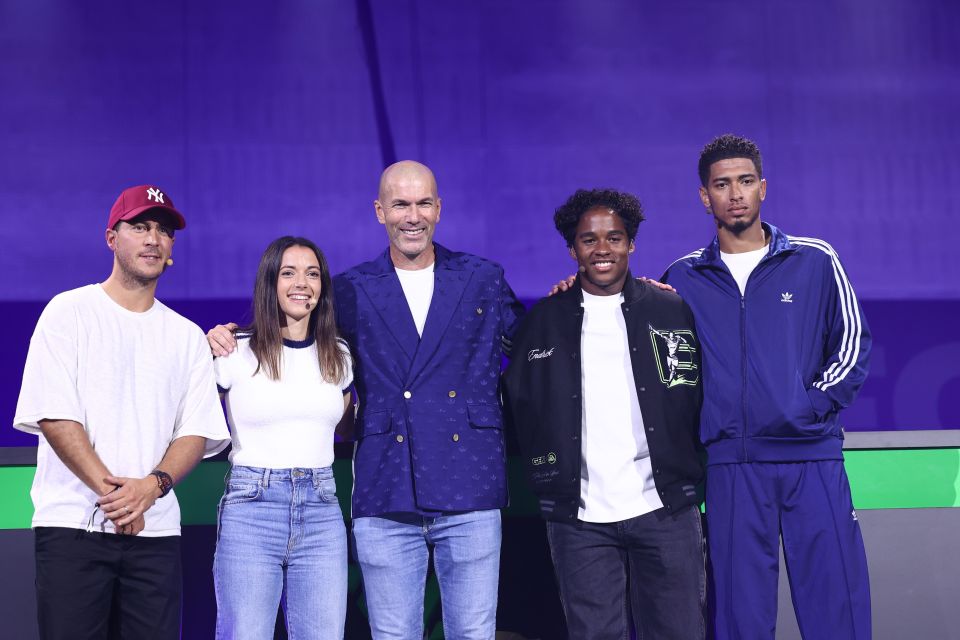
{"x": 262, "y": 119}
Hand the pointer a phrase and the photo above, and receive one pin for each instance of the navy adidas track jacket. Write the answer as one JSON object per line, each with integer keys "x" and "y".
{"x": 780, "y": 361}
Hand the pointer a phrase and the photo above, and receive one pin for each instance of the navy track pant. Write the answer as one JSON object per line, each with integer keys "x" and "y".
{"x": 749, "y": 507}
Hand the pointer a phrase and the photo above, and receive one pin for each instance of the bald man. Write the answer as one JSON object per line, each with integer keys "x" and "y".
{"x": 426, "y": 327}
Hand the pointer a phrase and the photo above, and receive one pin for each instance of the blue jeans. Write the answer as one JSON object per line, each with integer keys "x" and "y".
{"x": 281, "y": 533}
{"x": 652, "y": 565}
{"x": 393, "y": 552}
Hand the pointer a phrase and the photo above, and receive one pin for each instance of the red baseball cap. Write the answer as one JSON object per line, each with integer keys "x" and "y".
{"x": 135, "y": 200}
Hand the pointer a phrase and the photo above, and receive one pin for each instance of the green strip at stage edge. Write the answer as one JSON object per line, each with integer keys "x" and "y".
{"x": 904, "y": 478}
{"x": 17, "y": 509}
{"x": 879, "y": 479}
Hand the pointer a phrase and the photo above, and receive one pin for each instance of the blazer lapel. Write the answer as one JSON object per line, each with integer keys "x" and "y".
{"x": 386, "y": 296}
{"x": 450, "y": 281}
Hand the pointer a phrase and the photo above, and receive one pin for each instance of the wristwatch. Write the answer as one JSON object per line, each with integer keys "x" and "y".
{"x": 164, "y": 481}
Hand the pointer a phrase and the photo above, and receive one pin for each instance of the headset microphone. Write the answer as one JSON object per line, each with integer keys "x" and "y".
{"x": 169, "y": 262}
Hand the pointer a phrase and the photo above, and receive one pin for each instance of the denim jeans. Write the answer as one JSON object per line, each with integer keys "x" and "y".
{"x": 281, "y": 534}
{"x": 393, "y": 552}
{"x": 652, "y": 565}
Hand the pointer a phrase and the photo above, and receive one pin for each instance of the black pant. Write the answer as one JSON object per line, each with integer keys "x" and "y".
{"x": 650, "y": 568}
{"x": 102, "y": 585}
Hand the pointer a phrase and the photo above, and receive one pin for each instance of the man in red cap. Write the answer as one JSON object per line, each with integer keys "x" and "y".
{"x": 120, "y": 390}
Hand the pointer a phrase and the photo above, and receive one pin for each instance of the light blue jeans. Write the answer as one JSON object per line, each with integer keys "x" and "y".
{"x": 393, "y": 553}
{"x": 281, "y": 533}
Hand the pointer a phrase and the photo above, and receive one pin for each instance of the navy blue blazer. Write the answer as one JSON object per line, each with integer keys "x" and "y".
{"x": 429, "y": 426}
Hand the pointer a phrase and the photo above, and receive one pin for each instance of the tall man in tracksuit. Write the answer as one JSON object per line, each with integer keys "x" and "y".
{"x": 604, "y": 393}
{"x": 785, "y": 348}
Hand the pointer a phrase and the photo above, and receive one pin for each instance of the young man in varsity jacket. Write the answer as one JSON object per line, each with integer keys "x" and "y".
{"x": 785, "y": 348}
{"x": 604, "y": 393}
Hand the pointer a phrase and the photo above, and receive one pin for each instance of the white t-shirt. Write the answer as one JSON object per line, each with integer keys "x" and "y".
{"x": 616, "y": 477}
{"x": 286, "y": 423}
{"x": 135, "y": 381}
{"x": 741, "y": 265}
{"x": 418, "y": 289}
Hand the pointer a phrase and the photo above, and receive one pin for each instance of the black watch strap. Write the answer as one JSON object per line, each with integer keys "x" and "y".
{"x": 164, "y": 481}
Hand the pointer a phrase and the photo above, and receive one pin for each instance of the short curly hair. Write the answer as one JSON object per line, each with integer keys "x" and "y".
{"x": 627, "y": 206}
{"x": 725, "y": 147}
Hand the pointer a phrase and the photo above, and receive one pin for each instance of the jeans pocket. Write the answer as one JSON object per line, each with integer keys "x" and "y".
{"x": 241, "y": 492}
{"x": 327, "y": 490}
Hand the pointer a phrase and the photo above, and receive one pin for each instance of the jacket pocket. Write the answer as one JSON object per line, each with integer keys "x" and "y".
{"x": 484, "y": 416}
{"x": 790, "y": 416}
{"x": 806, "y": 416}
{"x": 375, "y": 422}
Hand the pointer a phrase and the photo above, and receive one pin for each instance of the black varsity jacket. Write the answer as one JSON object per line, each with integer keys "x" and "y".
{"x": 543, "y": 389}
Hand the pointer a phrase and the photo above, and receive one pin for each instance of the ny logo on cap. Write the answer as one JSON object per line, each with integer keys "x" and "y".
{"x": 155, "y": 194}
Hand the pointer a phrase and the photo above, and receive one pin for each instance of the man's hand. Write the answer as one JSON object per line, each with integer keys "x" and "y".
{"x": 130, "y": 500}
{"x": 658, "y": 284}
{"x": 221, "y": 340}
{"x": 563, "y": 285}
{"x": 133, "y": 528}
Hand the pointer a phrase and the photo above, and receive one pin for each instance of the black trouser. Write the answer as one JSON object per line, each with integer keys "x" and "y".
{"x": 650, "y": 568}
{"x": 102, "y": 585}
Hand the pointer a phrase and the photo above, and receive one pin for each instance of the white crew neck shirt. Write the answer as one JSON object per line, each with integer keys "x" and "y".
{"x": 286, "y": 423}
{"x": 134, "y": 381}
{"x": 616, "y": 477}
{"x": 741, "y": 265}
{"x": 418, "y": 289}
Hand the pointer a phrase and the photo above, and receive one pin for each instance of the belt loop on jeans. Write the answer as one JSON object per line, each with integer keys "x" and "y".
{"x": 266, "y": 478}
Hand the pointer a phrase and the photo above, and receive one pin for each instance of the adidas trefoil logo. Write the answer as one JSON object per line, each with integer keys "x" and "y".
{"x": 786, "y": 296}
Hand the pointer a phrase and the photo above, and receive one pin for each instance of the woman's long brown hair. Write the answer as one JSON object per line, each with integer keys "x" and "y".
{"x": 266, "y": 341}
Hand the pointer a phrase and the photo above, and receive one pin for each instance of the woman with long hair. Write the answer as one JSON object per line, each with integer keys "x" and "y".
{"x": 281, "y": 536}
